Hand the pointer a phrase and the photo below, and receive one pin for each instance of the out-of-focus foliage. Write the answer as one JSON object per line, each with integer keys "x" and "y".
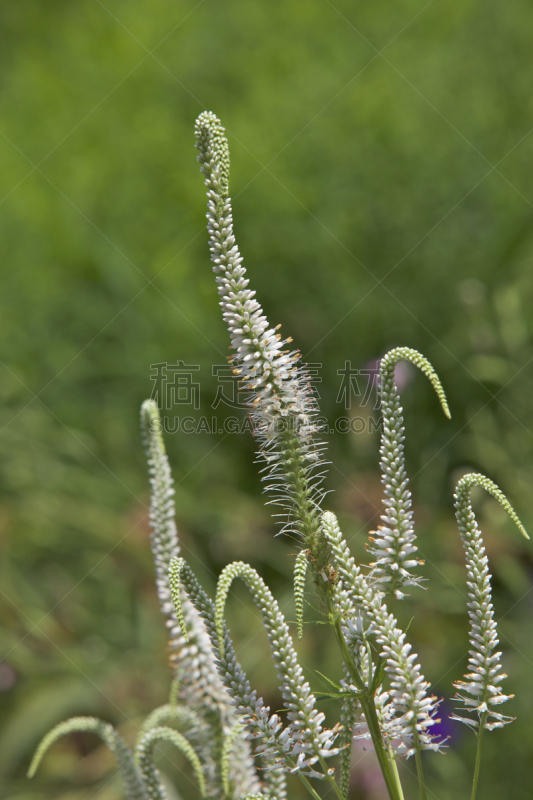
{"x": 381, "y": 160}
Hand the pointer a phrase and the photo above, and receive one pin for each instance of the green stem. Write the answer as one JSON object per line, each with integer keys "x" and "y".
{"x": 174, "y": 693}
{"x": 378, "y": 674}
{"x": 331, "y": 780}
{"x": 478, "y": 756}
{"x": 369, "y": 709}
{"x": 396, "y": 774}
{"x": 420, "y": 769}
{"x": 328, "y": 777}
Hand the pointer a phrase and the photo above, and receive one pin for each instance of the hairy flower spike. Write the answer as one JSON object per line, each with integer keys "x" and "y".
{"x": 393, "y": 544}
{"x": 281, "y": 402}
{"x": 481, "y": 692}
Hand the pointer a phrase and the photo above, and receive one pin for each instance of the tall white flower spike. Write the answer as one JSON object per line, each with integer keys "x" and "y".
{"x": 281, "y": 402}
{"x": 192, "y": 659}
{"x": 479, "y": 692}
{"x": 393, "y": 544}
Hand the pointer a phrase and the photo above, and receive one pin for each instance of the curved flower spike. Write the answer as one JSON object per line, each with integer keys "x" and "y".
{"x": 281, "y": 402}
{"x": 256, "y": 715}
{"x": 133, "y": 782}
{"x": 480, "y": 685}
{"x": 300, "y": 573}
{"x": 307, "y": 739}
{"x": 163, "y": 716}
{"x": 191, "y": 653}
{"x": 144, "y": 759}
{"x": 392, "y": 545}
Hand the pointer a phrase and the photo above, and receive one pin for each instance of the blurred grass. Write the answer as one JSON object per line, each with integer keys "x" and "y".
{"x": 379, "y": 199}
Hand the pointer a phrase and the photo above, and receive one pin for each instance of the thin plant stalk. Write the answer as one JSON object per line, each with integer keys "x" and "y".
{"x": 307, "y": 783}
{"x": 478, "y": 758}
{"x": 420, "y": 771}
{"x": 394, "y": 767}
{"x": 331, "y": 780}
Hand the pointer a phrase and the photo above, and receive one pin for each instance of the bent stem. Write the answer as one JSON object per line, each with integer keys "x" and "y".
{"x": 307, "y": 783}
{"x": 478, "y": 756}
{"x": 369, "y": 709}
{"x": 331, "y": 780}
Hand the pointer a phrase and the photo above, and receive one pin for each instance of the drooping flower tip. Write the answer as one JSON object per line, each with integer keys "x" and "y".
{"x": 480, "y": 687}
{"x": 471, "y": 479}
{"x": 393, "y": 357}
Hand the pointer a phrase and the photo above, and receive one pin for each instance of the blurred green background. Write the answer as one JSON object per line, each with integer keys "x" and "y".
{"x": 381, "y": 179}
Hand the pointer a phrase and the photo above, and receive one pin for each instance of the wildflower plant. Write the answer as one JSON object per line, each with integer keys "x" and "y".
{"x": 237, "y": 747}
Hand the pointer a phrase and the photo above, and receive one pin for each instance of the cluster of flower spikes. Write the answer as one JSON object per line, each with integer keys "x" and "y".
{"x": 280, "y": 393}
{"x": 261, "y": 725}
{"x": 281, "y": 401}
{"x": 305, "y": 740}
{"x": 302, "y": 743}
{"x": 192, "y": 658}
{"x": 140, "y": 775}
{"x": 479, "y": 693}
{"x": 141, "y": 778}
{"x": 393, "y": 544}
{"x": 406, "y": 709}
{"x": 213, "y": 738}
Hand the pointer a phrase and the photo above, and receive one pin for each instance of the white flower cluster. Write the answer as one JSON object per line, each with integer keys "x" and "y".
{"x": 281, "y": 401}
{"x": 481, "y": 692}
{"x": 393, "y": 544}
{"x": 414, "y": 709}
